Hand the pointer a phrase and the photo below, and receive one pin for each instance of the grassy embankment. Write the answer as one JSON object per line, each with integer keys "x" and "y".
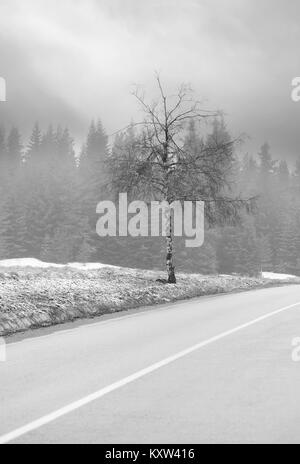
{"x": 33, "y": 297}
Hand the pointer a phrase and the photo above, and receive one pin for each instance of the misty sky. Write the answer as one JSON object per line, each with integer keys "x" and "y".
{"x": 69, "y": 61}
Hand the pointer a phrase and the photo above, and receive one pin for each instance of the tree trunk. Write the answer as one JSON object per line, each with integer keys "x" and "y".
{"x": 170, "y": 262}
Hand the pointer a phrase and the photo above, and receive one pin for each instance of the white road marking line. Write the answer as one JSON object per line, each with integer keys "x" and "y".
{"x": 7, "y": 438}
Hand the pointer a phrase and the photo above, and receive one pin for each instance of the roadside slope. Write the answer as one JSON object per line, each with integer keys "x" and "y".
{"x": 44, "y": 295}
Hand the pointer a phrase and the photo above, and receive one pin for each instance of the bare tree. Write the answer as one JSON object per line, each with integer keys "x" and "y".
{"x": 161, "y": 163}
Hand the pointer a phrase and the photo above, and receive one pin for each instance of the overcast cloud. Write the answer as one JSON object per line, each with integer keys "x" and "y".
{"x": 69, "y": 61}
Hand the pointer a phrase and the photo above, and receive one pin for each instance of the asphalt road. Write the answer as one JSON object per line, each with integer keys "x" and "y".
{"x": 211, "y": 370}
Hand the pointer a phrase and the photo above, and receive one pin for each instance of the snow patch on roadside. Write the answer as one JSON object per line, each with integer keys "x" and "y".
{"x": 89, "y": 266}
{"x": 27, "y": 262}
{"x": 36, "y": 263}
{"x": 274, "y": 276}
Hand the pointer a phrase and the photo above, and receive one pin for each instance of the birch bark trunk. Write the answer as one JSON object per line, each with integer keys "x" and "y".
{"x": 170, "y": 248}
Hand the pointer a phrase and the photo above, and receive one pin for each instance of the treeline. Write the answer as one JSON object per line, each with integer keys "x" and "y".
{"x": 49, "y": 193}
{"x": 271, "y": 239}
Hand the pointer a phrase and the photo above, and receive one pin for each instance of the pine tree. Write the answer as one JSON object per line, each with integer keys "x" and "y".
{"x": 65, "y": 146}
{"x": 238, "y": 250}
{"x": 35, "y": 144}
{"x": 47, "y": 144}
{"x": 49, "y": 202}
{"x": 267, "y": 163}
{"x": 91, "y": 177}
{"x": 248, "y": 176}
{"x": 11, "y": 205}
{"x": 285, "y": 240}
{"x": 93, "y": 161}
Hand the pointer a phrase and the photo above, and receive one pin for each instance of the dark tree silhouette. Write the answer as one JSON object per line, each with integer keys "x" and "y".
{"x": 164, "y": 165}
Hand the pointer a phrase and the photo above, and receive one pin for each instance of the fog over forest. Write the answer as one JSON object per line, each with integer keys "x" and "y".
{"x": 49, "y": 197}
{"x": 66, "y": 64}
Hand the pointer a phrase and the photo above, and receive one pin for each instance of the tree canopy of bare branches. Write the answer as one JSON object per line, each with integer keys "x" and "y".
{"x": 165, "y": 158}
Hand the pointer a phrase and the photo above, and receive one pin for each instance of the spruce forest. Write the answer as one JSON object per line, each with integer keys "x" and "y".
{"x": 49, "y": 193}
